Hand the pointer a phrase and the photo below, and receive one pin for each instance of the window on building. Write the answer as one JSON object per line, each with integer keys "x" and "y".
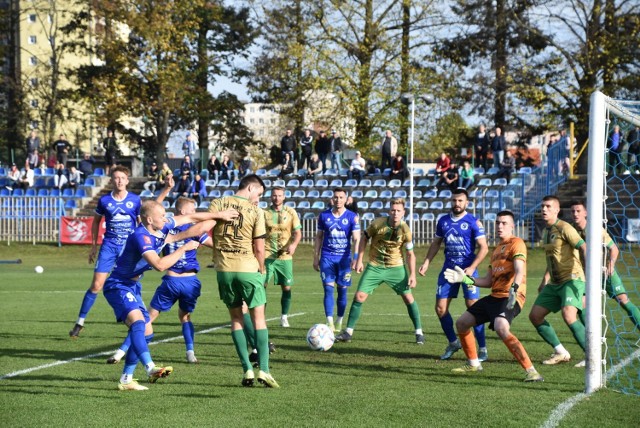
{"x": 261, "y": 120}
{"x": 34, "y": 103}
{"x": 33, "y": 40}
{"x": 261, "y": 132}
{"x": 34, "y": 81}
{"x": 33, "y": 60}
{"x": 34, "y": 124}
{"x": 273, "y": 121}
{"x": 252, "y": 109}
{"x": 252, "y": 121}
{"x": 32, "y": 17}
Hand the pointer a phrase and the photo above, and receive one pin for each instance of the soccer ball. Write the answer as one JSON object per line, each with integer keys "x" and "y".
{"x": 320, "y": 337}
{"x": 39, "y": 269}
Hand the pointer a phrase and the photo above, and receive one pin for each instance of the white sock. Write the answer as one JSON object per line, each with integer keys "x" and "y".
{"x": 474, "y": 363}
{"x": 329, "y": 320}
{"x": 340, "y": 320}
{"x": 150, "y": 367}
{"x": 284, "y": 317}
{"x": 119, "y": 354}
{"x": 531, "y": 369}
{"x": 560, "y": 349}
{"x": 80, "y": 321}
{"x": 350, "y": 331}
{"x": 483, "y": 349}
{"x": 126, "y": 378}
{"x": 419, "y": 331}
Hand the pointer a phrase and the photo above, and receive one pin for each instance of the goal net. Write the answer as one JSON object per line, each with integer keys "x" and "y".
{"x": 613, "y": 202}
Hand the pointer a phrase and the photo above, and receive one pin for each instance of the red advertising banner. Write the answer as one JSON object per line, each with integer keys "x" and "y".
{"x": 77, "y": 230}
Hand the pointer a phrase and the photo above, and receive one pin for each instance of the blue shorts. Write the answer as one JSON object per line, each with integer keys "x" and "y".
{"x": 109, "y": 252}
{"x": 336, "y": 271}
{"x": 184, "y": 289}
{"x": 124, "y": 297}
{"x": 450, "y": 291}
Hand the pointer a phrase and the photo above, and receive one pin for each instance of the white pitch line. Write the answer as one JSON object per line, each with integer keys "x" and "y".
{"x": 100, "y": 354}
{"x": 563, "y": 408}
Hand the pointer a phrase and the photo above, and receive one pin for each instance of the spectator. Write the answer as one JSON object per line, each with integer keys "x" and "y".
{"x": 214, "y": 167}
{"x": 323, "y": 149}
{"x": 244, "y": 168}
{"x": 481, "y": 146}
{"x": 153, "y": 176}
{"x": 306, "y": 146}
{"x": 62, "y": 146}
{"x": 182, "y": 187}
{"x": 335, "y": 144}
{"x": 226, "y": 168}
{"x": 615, "y": 148}
{"x": 13, "y": 176}
{"x": 187, "y": 165}
{"x": 466, "y": 175}
{"x": 315, "y": 167}
{"x": 288, "y": 144}
{"x": 165, "y": 173}
{"x": 443, "y": 165}
{"x": 52, "y": 159}
{"x": 498, "y": 144}
{"x": 27, "y": 177}
{"x": 398, "y": 168}
{"x": 507, "y": 167}
{"x": 75, "y": 178}
{"x": 33, "y": 148}
{"x": 633, "y": 160}
{"x": 111, "y": 151}
{"x": 60, "y": 177}
{"x": 388, "y": 148}
{"x": 287, "y": 166}
{"x": 449, "y": 179}
{"x": 189, "y": 146}
{"x": 198, "y": 189}
{"x": 357, "y": 169}
{"x": 351, "y": 205}
{"x": 86, "y": 165}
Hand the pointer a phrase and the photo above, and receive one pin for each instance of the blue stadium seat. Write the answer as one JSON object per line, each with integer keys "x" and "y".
{"x": 273, "y": 172}
{"x": 146, "y": 194}
{"x": 421, "y": 205}
{"x": 490, "y": 217}
{"x": 344, "y": 172}
{"x": 81, "y": 193}
{"x": 400, "y": 194}
{"x": 394, "y": 183}
{"x": 424, "y": 182}
{"x": 493, "y": 170}
{"x": 376, "y": 205}
{"x": 471, "y": 205}
{"x": 210, "y": 183}
{"x": 372, "y": 194}
{"x": 98, "y": 172}
{"x": 214, "y": 193}
{"x": 54, "y": 192}
{"x": 357, "y": 194}
{"x": 484, "y": 182}
{"x": 508, "y": 193}
{"x": 3, "y": 171}
{"x": 365, "y": 182}
{"x": 368, "y": 217}
{"x": 224, "y": 183}
{"x": 428, "y": 217}
{"x": 431, "y": 193}
{"x": 500, "y": 182}
{"x": 267, "y": 182}
{"x": 351, "y": 183}
{"x": 445, "y": 193}
{"x": 166, "y": 204}
{"x": 52, "y": 172}
{"x": 235, "y": 183}
{"x": 309, "y": 216}
{"x": 407, "y": 183}
{"x": 294, "y": 182}
{"x": 90, "y": 182}
{"x": 331, "y": 172}
{"x": 290, "y": 204}
{"x": 478, "y": 171}
{"x": 36, "y": 172}
{"x": 263, "y": 204}
{"x": 318, "y": 205}
{"x": 362, "y": 205}
{"x": 70, "y": 204}
{"x": 279, "y": 183}
{"x": 5, "y": 192}
{"x": 17, "y": 192}
{"x": 322, "y": 183}
{"x": 204, "y": 204}
{"x": 287, "y": 193}
{"x": 492, "y": 193}
{"x": 525, "y": 170}
{"x": 516, "y": 181}
{"x": 299, "y": 194}
{"x": 386, "y": 194}
{"x": 307, "y": 183}
{"x": 417, "y": 194}
{"x": 337, "y": 182}
{"x": 261, "y": 172}
{"x": 304, "y": 205}
{"x": 40, "y": 182}
{"x": 380, "y": 183}
{"x": 228, "y": 192}
{"x": 30, "y": 192}
{"x": 42, "y": 192}
{"x": 327, "y": 194}
{"x": 67, "y": 193}
{"x": 436, "y": 205}
{"x": 386, "y": 172}
{"x": 313, "y": 194}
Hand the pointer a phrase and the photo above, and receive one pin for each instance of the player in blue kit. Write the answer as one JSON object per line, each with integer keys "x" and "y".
{"x": 338, "y": 228}
{"x": 180, "y": 284}
{"x": 461, "y": 233}
{"x": 120, "y": 210}
{"x": 123, "y": 288}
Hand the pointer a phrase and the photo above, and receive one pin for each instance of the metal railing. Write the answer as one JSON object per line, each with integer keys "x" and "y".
{"x": 30, "y": 218}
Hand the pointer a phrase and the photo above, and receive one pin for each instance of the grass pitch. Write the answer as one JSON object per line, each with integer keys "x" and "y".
{"x": 382, "y": 378}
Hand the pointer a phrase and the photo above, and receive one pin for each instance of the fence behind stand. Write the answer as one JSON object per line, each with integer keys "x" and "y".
{"x": 30, "y": 219}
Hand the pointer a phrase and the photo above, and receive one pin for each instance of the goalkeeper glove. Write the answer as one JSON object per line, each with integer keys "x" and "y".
{"x": 456, "y": 275}
{"x": 513, "y": 294}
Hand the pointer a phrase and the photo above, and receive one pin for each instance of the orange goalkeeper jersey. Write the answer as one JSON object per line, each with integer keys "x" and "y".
{"x": 502, "y": 268}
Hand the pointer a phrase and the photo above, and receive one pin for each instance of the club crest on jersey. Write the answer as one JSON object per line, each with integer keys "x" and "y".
{"x": 345, "y": 221}
{"x": 504, "y": 247}
{"x": 129, "y": 204}
{"x": 464, "y": 226}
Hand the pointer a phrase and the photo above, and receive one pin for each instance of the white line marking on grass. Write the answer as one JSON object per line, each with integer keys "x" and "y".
{"x": 100, "y": 354}
{"x": 563, "y": 408}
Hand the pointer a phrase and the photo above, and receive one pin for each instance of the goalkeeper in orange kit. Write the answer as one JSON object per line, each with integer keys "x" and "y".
{"x": 507, "y": 278}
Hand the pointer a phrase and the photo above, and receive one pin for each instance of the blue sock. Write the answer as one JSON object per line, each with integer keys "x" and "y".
{"x": 126, "y": 343}
{"x": 149, "y": 338}
{"x": 480, "y": 337}
{"x": 87, "y": 302}
{"x": 328, "y": 300}
{"x": 447, "y": 326}
{"x": 130, "y": 362}
{"x": 138, "y": 342}
{"x": 187, "y": 333}
{"x": 342, "y": 301}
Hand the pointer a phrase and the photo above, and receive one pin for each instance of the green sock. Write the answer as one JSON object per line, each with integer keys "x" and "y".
{"x": 579, "y": 333}
{"x": 548, "y": 334}
{"x": 240, "y": 341}
{"x": 633, "y": 312}
{"x": 414, "y": 314}
{"x": 249, "y": 331}
{"x": 285, "y": 301}
{"x": 354, "y": 314}
{"x": 262, "y": 337}
{"x": 581, "y": 316}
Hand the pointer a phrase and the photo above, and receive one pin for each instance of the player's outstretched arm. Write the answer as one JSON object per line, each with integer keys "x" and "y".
{"x": 226, "y": 215}
{"x": 166, "y": 190}
{"x": 163, "y": 263}
{"x": 95, "y": 231}
{"x": 431, "y": 253}
{"x": 195, "y": 230}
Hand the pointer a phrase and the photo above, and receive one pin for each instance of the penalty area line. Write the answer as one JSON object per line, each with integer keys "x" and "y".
{"x": 101, "y": 354}
{"x": 563, "y": 408}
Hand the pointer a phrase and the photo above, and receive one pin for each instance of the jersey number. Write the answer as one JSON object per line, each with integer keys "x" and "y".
{"x": 233, "y": 229}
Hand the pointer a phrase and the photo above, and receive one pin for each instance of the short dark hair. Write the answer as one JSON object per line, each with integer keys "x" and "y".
{"x": 461, "y": 191}
{"x": 250, "y": 179}
{"x": 579, "y": 202}
{"x": 506, "y": 213}
{"x": 339, "y": 189}
{"x": 551, "y": 198}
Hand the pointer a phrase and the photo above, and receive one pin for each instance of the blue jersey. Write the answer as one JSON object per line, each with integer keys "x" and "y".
{"x": 188, "y": 262}
{"x": 121, "y": 216}
{"x": 459, "y": 236}
{"x": 337, "y": 232}
{"x": 130, "y": 262}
